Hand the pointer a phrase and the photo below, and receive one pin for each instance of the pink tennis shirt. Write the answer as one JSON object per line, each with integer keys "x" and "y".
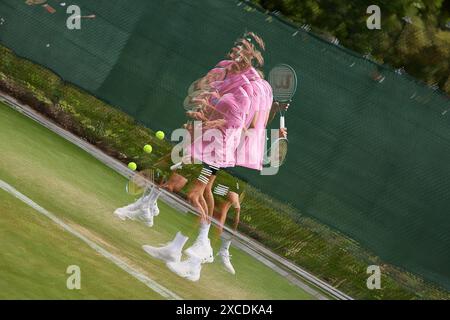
{"x": 217, "y": 147}
{"x": 250, "y": 152}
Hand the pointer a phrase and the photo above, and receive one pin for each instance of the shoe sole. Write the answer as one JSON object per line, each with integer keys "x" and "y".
{"x": 209, "y": 259}
{"x": 146, "y": 222}
{"x": 193, "y": 279}
{"x": 120, "y": 215}
{"x": 184, "y": 276}
{"x": 124, "y": 215}
{"x": 159, "y": 256}
{"x": 233, "y": 272}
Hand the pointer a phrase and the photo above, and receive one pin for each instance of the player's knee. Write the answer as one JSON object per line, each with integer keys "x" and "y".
{"x": 180, "y": 182}
{"x": 209, "y": 187}
{"x": 191, "y": 197}
{"x": 168, "y": 187}
{"x": 208, "y": 195}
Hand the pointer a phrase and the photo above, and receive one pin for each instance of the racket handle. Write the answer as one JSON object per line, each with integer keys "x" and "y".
{"x": 282, "y": 124}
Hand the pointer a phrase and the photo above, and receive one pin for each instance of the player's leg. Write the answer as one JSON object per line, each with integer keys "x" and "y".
{"x": 147, "y": 202}
{"x": 221, "y": 211}
{"x": 201, "y": 251}
{"x": 171, "y": 254}
{"x": 235, "y": 200}
{"x": 196, "y": 195}
{"x": 196, "y": 199}
{"x": 202, "y": 246}
{"x": 231, "y": 198}
{"x": 224, "y": 251}
{"x": 175, "y": 183}
{"x": 208, "y": 195}
{"x": 146, "y": 207}
{"x": 172, "y": 251}
{"x": 150, "y": 208}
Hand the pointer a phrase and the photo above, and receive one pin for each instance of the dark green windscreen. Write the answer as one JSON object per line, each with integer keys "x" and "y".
{"x": 369, "y": 159}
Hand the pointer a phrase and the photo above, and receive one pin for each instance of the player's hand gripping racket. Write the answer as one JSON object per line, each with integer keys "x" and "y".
{"x": 283, "y": 80}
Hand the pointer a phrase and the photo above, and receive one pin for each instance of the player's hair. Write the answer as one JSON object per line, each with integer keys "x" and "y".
{"x": 261, "y": 74}
{"x": 246, "y": 52}
{"x": 253, "y": 37}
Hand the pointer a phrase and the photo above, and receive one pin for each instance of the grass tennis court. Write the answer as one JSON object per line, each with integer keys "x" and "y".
{"x": 81, "y": 191}
{"x": 35, "y": 254}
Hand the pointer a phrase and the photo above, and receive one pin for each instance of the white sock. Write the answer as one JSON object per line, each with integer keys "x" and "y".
{"x": 152, "y": 197}
{"x": 179, "y": 241}
{"x": 226, "y": 242}
{"x": 204, "y": 231}
{"x": 195, "y": 261}
{"x": 135, "y": 205}
{"x": 140, "y": 200}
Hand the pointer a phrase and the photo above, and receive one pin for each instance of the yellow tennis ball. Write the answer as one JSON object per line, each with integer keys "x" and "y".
{"x": 159, "y": 135}
{"x": 148, "y": 148}
{"x": 132, "y": 166}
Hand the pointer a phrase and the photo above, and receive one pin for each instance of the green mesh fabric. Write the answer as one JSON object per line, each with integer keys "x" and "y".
{"x": 369, "y": 159}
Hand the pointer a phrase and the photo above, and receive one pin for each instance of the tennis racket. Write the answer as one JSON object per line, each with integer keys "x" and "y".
{"x": 140, "y": 182}
{"x": 283, "y": 80}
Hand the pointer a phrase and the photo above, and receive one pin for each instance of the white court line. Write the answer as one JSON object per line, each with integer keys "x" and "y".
{"x": 163, "y": 291}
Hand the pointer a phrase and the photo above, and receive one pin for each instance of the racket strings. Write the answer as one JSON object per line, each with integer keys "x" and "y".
{"x": 282, "y": 151}
{"x": 278, "y": 153}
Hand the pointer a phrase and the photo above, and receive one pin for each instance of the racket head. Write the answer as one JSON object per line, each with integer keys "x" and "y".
{"x": 278, "y": 152}
{"x": 283, "y": 80}
{"x": 140, "y": 181}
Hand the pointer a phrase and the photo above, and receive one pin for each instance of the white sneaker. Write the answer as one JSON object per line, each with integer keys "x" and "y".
{"x": 171, "y": 252}
{"x": 147, "y": 217}
{"x": 188, "y": 269}
{"x": 120, "y": 213}
{"x": 226, "y": 261}
{"x": 143, "y": 212}
{"x": 130, "y": 211}
{"x": 152, "y": 208}
{"x": 124, "y": 214}
{"x": 166, "y": 253}
{"x": 155, "y": 209}
{"x": 202, "y": 250}
{"x": 132, "y": 206}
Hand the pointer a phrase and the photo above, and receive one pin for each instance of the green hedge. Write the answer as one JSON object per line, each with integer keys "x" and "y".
{"x": 421, "y": 47}
{"x": 326, "y": 253}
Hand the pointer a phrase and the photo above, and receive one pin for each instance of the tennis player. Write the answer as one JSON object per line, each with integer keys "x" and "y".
{"x": 227, "y": 116}
{"x": 250, "y": 153}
